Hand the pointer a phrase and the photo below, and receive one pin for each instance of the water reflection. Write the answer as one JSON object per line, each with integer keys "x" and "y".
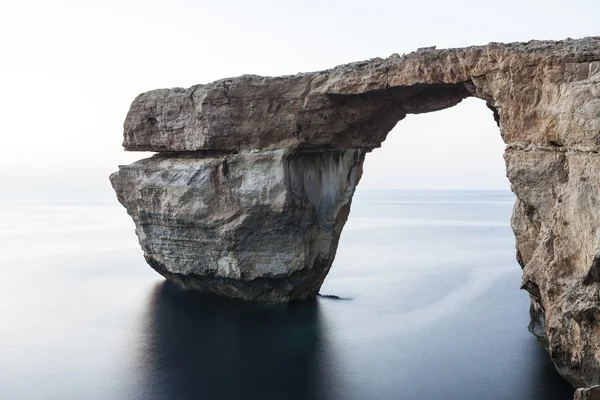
{"x": 429, "y": 317}
{"x": 545, "y": 383}
{"x": 202, "y": 347}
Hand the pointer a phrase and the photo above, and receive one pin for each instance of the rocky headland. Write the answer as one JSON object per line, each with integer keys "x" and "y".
{"x": 254, "y": 176}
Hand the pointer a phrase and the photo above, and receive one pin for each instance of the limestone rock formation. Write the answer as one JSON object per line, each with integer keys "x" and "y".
{"x": 255, "y": 175}
{"x": 260, "y": 225}
{"x": 592, "y": 393}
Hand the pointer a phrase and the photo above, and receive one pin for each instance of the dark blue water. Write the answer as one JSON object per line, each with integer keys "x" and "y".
{"x": 430, "y": 309}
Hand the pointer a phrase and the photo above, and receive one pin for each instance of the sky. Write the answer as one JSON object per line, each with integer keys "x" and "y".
{"x": 70, "y": 69}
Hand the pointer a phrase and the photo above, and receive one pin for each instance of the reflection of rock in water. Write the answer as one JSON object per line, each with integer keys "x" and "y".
{"x": 202, "y": 347}
{"x": 545, "y": 383}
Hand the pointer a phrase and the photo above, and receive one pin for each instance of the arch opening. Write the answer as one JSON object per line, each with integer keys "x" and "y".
{"x": 439, "y": 265}
{"x": 459, "y": 147}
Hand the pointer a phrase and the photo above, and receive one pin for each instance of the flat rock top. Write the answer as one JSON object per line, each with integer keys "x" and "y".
{"x": 316, "y": 110}
{"x": 534, "y": 51}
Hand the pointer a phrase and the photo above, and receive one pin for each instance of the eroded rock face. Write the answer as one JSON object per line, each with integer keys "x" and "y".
{"x": 258, "y": 225}
{"x": 592, "y": 393}
{"x": 254, "y": 177}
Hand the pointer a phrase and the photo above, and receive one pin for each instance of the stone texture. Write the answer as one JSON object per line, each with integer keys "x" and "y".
{"x": 255, "y": 175}
{"x": 258, "y": 225}
{"x": 592, "y": 393}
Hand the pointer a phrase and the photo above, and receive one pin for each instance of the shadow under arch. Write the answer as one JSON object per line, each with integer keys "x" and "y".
{"x": 200, "y": 346}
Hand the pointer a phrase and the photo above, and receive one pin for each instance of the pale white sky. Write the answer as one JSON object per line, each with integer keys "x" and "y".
{"x": 70, "y": 69}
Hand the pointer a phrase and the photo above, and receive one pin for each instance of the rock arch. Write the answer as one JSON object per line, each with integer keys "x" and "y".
{"x": 254, "y": 176}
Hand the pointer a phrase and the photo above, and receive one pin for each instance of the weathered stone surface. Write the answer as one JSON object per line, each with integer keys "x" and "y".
{"x": 259, "y": 225}
{"x": 255, "y": 177}
{"x": 534, "y": 86}
{"x": 592, "y": 393}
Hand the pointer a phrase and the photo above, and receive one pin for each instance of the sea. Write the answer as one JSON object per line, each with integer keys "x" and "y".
{"x": 422, "y": 302}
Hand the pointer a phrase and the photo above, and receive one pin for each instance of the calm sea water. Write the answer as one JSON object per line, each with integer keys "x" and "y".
{"x": 430, "y": 309}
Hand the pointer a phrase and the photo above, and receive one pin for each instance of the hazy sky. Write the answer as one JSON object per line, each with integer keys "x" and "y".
{"x": 70, "y": 69}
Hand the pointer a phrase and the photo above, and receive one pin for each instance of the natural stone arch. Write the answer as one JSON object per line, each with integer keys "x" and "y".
{"x": 255, "y": 175}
